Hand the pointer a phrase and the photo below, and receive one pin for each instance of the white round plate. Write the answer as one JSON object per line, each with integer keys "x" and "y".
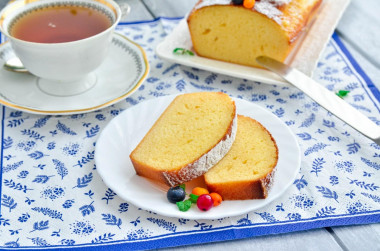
{"x": 122, "y": 72}
{"x": 124, "y": 132}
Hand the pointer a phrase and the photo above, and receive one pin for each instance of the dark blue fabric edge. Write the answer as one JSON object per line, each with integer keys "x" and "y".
{"x": 225, "y": 233}
{"x": 359, "y": 70}
{"x": 2, "y": 151}
{"x": 150, "y": 21}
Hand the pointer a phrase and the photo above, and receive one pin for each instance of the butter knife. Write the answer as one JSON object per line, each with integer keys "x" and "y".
{"x": 327, "y": 99}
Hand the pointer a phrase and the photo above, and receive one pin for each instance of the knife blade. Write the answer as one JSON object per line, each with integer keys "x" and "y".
{"x": 327, "y": 99}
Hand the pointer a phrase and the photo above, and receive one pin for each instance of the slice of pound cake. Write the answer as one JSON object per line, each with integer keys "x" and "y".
{"x": 231, "y": 31}
{"x": 246, "y": 172}
{"x": 194, "y": 132}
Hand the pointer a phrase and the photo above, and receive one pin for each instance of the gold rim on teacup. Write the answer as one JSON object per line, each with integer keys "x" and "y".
{"x": 63, "y": 68}
{"x": 32, "y": 5}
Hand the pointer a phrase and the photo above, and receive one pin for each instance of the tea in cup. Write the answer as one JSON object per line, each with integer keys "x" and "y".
{"x": 61, "y": 41}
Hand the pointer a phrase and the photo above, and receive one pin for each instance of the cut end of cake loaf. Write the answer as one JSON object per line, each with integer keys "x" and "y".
{"x": 246, "y": 172}
{"x": 223, "y": 31}
{"x": 193, "y": 134}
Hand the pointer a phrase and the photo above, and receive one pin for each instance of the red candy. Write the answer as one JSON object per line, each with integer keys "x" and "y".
{"x": 205, "y": 202}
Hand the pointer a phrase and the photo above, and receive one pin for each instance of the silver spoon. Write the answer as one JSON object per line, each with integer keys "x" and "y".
{"x": 14, "y": 64}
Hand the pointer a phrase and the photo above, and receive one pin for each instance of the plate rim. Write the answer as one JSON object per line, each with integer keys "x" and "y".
{"x": 137, "y": 84}
{"x": 185, "y": 215}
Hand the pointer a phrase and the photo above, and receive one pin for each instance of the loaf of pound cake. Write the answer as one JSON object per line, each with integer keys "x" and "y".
{"x": 233, "y": 33}
{"x": 194, "y": 132}
{"x": 247, "y": 171}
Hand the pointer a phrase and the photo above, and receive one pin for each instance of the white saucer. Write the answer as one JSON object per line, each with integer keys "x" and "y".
{"x": 122, "y": 72}
{"x": 124, "y": 132}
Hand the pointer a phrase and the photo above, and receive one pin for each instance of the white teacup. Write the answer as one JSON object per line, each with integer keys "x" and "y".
{"x": 65, "y": 68}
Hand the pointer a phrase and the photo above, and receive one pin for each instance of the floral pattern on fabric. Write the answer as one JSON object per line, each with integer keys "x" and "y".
{"x": 52, "y": 195}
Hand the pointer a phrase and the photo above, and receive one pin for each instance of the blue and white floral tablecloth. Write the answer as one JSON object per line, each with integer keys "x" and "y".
{"x": 52, "y": 195}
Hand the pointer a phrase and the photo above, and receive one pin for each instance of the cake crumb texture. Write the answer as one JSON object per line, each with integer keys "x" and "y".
{"x": 176, "y": 147}
{"x": 246, "y": 172}
{"x": 224, "y": 31}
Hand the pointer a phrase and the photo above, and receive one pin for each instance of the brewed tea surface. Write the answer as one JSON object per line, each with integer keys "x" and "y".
{"x": 58, "y": 24}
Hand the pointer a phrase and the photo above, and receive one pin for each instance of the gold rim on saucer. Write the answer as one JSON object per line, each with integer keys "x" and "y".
{"x": 117, "y": 41}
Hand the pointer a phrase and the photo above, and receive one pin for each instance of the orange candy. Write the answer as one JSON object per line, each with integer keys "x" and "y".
{"x": 199, "y": 191}
{"x": 249, "y": 4}
{"x": 216, "y": 198}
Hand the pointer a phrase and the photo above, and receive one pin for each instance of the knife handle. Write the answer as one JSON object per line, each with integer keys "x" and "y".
{"x": 327, "y": 99}
{"x": 336, "y": 105}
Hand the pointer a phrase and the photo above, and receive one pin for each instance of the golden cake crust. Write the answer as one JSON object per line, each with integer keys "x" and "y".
{"x": 256, "y": 188}
{"x": 280, "y": 23}
{"x": 175, "y": 177}
{"x": 195, "y": 167}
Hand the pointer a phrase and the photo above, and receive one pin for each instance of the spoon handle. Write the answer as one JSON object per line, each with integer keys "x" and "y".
{"x": 14, "y": 64}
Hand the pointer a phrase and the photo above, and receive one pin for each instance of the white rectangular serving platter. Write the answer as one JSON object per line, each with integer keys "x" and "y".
{"x": 305, "y": 56}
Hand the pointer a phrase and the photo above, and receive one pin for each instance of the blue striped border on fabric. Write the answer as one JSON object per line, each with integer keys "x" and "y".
{"x": 236, "y": 231}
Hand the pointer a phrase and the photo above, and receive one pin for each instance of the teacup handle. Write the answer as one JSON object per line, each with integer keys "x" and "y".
{"x": 124, "y": 7}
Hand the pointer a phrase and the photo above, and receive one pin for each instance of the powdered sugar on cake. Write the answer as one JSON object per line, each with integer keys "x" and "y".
{"x": 268, "y": 180}
{"x": 265, "y": 7}
{"x": 205, "y": 162}
{"x": 269, "y": 8}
